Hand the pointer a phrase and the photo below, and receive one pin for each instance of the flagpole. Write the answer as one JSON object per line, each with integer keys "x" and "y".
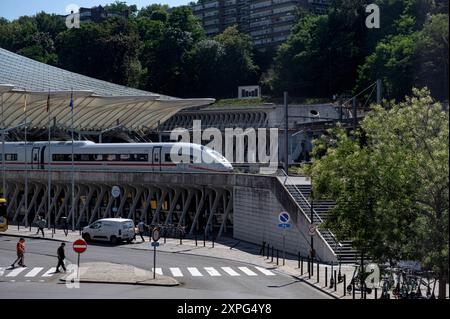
{"x": 26, "y": 166}
{"x": 73, "y": 166}
{"x": 3, "y": 152}
{"x": 49, "y": 160}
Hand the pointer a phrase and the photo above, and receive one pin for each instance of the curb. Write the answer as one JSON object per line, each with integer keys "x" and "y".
{"x": 124, "y": 283}
{"x": 29, "y": 236}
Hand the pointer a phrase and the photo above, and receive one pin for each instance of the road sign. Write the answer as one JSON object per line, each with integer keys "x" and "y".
{"x": 156, "y": 234}
{"x": 115, "y": 191}
{"x": 312, "y": 230}
{"x": 155, "y": 244}
{"x": 284, "y": 217}
{"x": 79, "y": 246}
{"x": 284, "y": 225}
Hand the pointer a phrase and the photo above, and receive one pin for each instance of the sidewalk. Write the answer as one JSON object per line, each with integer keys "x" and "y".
{"x": 235, "y": 250}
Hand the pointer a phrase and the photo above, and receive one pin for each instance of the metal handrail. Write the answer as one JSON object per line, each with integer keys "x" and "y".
{"x": 336, "y": 242}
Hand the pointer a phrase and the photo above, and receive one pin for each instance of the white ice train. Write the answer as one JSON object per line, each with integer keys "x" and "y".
{"x": 124, "y": 157}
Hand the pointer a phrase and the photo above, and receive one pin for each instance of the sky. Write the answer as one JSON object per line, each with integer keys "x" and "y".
{"x": 12, "y": 9}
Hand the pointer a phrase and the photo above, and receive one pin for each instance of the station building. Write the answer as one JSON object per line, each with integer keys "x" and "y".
{"x": 239, "y": 205}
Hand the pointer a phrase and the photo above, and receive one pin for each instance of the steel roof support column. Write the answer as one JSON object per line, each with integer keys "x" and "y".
{"x": 54, "y": 200}
{"x": 213, "y": 209}
{"x": 173, "y": 202}
{"x": 37, "y": 191}
{"x": 20, "y": 205}
{"x": 186, "y": 204}
{"x": 91, "y": 189}
{"x": 156, "y": 218}
{"x": 148, "y": 198}
{"x": 228, "y": 209}
{"x": 64, "y": 203}
{"x": 108, "y": 212}
{"x": 100, "y": 196}
{"x": 136, "y": 198}
{"x": 73, "y": 211}
{"x": 13, "y": 200}
{"x": 123, "y": 200}
{"x": 200, "y": 205}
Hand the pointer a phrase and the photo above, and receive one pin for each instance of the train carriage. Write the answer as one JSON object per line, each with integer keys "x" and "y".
{"x": 89, "y": 156}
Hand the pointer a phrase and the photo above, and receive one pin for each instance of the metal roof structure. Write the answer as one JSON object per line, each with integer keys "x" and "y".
{"x": 98, "y": 105}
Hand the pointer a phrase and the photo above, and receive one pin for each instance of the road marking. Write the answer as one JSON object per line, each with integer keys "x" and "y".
{"x": 230, "y": 271}
{"x": 34, "y": 272}
{"x": 49, "y": 272}
{"x": 265, "y": 271}
{"x": 15, "y": 272}
{"x": 2, "y": 271}
{"x": 176, "y": 272}
{"x": 158, "y": 271}
{"x": 247, "y": 271}
{"x": 194, "y": 272}
{"x": 212, "y": 272}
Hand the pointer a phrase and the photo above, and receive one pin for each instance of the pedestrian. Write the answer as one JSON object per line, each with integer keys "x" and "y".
{"x": 141, "y": 229}
{"x": 41, "y": 225}
{"x": 20, "y": 249}
{"x": 61, "y": 257}
{"x": 65, "y": 225}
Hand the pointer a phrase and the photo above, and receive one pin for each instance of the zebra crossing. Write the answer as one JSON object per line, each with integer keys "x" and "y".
{"x": 42, "y": 274}
{"x": 214, "y": 271}
{"x": 28, "y": 274}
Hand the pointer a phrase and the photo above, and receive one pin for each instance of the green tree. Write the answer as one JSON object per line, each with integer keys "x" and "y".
{"x": 391, "y": 183}
{"x": 107, "y": 51}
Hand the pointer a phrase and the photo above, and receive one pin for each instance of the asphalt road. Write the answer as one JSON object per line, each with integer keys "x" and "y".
{"x": 201, "y": 277}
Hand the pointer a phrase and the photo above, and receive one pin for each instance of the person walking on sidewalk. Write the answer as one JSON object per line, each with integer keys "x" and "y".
{"x": 61, "y": 257}
{"x": 20, "y": 249}
{"x": 141, "y": 229}
{"x": 41, "y": 225}
{"x": 65, "y": 225}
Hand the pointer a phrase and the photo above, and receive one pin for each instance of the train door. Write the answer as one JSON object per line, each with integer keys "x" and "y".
{"x": 35, "y": 158}
{"x": 157, "y": 159}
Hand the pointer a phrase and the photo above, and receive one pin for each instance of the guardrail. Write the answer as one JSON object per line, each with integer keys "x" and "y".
{"x": 315, "y": 215}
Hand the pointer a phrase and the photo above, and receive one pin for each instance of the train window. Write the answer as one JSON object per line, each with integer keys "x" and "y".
{"x": 125, "y": 157}
{"x": 167, "y": 158}
{"x": 9, "y": 157}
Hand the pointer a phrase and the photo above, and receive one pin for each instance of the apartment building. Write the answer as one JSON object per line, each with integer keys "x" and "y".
{"x": 268, "y": 22}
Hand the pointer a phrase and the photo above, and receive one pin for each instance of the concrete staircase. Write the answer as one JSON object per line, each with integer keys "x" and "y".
{"x": 302, "y": 195}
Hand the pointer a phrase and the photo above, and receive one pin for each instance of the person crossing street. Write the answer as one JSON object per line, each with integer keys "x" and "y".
{"x": 20, "y": 249}
{"x": 61, "y": 257}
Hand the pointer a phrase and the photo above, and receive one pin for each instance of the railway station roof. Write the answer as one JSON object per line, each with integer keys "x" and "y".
{"x": 98, "y": 105}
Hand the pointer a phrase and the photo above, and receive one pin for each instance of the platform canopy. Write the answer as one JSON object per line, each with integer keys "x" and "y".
{"x": 98, "y": 105}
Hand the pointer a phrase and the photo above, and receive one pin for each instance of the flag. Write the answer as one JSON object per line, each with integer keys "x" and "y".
{"x": 71, "y": 101}
{"x": 25, "y": 103}
{"x": 48, "y": 102}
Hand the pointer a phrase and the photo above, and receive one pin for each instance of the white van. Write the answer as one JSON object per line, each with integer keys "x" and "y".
{"x": 113, "y": 230}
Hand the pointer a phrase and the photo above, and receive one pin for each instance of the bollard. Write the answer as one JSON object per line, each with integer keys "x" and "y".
{"x": 195, "y": 238}
{"x": 345, "y": 285}
{"x": 272, "y": 256}
{"x": 165, "y": 239}
{"x": 309, "y": 268}
{"x": 312, "y": 266}
{"x": 212, "y": 241}
{"x": 365, "y": 291}
{"x": 298, "y": 259}
{"x": 181, "y": 240}
{"x": 326, "y": 276}
{"x": 335, "y": 280}
{"x": 284, "y": 258}
{"x": 261, "y": 252}
{"x": 353, "y": 289}
{"x": 277, "y": 256}
{"x": 376, "y": 293}
{"x": 204, "y": 239}
{"x": 268, "y": 253}
{"x": 301, "y": 266}
{"x": 318, "y": 278}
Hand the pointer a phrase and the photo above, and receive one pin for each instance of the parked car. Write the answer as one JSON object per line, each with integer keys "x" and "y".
{"x": 113, "y": 230}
